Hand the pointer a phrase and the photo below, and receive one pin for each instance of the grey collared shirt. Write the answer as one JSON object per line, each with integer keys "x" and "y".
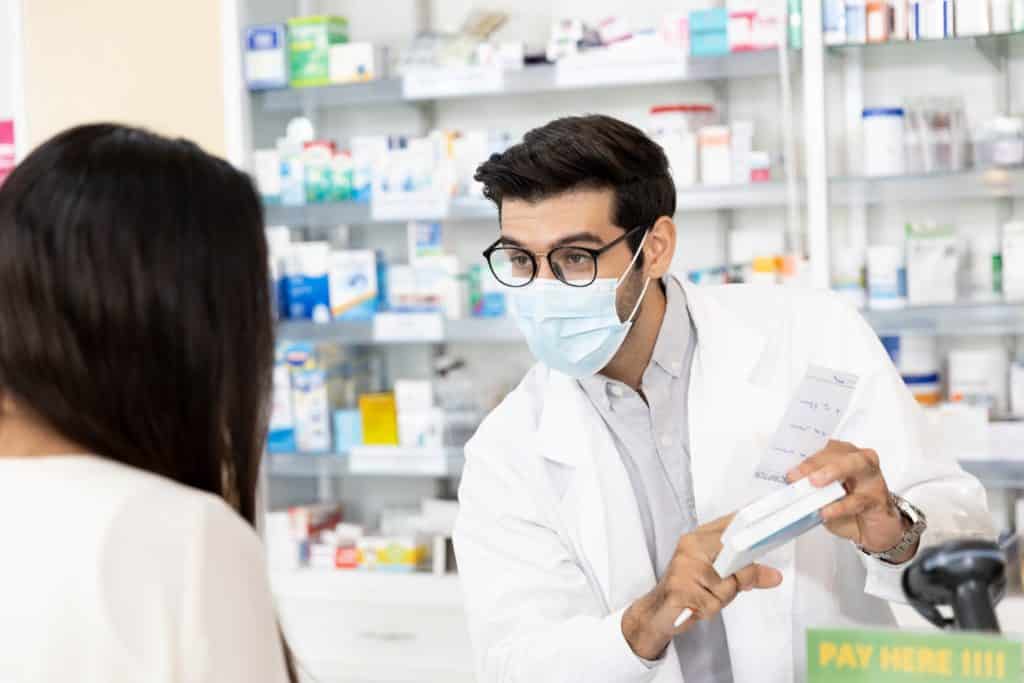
{"x": 653, "y": 439}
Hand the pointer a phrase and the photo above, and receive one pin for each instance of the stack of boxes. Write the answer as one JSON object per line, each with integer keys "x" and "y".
{"x": 309, "y": 52}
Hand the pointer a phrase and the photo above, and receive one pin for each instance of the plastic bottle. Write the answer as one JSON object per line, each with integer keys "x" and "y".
{"x": 878, "y": 21}
{"x": 1017, "y": 381}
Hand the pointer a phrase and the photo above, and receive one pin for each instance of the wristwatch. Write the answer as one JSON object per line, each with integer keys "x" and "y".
{"x": 918, "y": 523}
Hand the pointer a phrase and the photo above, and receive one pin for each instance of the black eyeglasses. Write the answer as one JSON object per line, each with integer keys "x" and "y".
{"x": 575, "y": 266}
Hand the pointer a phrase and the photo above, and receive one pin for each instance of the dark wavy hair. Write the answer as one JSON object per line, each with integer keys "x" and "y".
{"x": 135, "y": 309}
{"x": 591, "y": 152}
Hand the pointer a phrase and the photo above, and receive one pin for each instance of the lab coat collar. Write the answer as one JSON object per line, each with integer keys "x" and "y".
{"x": 727, "y": 349}
{"x": 727, "y": 346}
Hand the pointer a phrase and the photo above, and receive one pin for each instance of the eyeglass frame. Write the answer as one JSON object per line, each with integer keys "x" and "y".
{"x": 594, "y": 254}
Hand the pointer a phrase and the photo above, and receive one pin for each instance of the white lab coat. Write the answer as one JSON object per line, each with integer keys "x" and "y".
{"x": 549, "y": 541}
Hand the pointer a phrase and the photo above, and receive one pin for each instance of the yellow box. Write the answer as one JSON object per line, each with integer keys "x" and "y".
{"x": 380, "y": 419}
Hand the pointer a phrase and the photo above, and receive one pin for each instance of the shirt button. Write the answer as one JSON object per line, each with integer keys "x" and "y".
{"x": 615, "y": 390}
{"x": 677, "y": 366}
{"x": 666, "y": 441}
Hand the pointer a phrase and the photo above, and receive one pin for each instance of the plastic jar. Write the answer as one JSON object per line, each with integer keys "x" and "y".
{"x": 674, "y": 127}
{"x": 883, "y": 141}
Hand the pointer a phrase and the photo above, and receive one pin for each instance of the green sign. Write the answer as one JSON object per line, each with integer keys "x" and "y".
{"x": 851, "y": 656}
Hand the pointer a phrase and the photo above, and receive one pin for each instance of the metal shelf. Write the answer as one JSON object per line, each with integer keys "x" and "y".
{"x": 983, "y": 319}
{"x": 379, "y": 588}
{"x": 335, "y": 213}
{"x": 529, "y": 80}
{"x": 997, "y": 41}
{"x": 394, "y": 461}
{"x": 991, "y": 473}
{"x": 466, "y": 331}
{"x": 992, "y": 183}
{"x": 957, "y": 319}
{"x": 689, "y": 199}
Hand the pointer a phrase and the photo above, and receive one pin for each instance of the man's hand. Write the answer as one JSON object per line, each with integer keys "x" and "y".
{"x": 866, "y": 515}
{"x": 690, "y": 583}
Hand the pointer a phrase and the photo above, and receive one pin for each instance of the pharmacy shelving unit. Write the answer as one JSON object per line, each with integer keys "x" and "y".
{"x": 698, "y": 198}
{"x": 818, "y": 195}
{"x": 317, "y": 220}
{"x": 527, "y": 81}
{"x": 465, "y": 331}
{"x": 851, "y": 67}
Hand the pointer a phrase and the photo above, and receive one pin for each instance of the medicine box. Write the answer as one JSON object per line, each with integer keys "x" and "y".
{"x": 348, "y": 430}
{"x": 315, "y": 375}
{"x": 267, "y": 169}
{"x": 309, "y": 43}
{"x": 353, "y": 284}
{"x": 416, "y": 289}
{"x": 305, "y": 288}
{"x": 486, "y": 294}
{"x": 281, "y": 436}
{"x": 426, "y": 241}
{"x": 357, "y": 62}
{"x": 309, "y": 521}
{"x": 324, "y": 377}
{"x": 1013, "y": 261}
{"x": 709, "y": 32}
{"x": 369, "y": 153}
{"x": 266, "y": 58}
{"x": 317, "y": 161}
{"x": 380, "y": 419}
{"x": 933, "y": 262}
{"x": 394, "y": 553}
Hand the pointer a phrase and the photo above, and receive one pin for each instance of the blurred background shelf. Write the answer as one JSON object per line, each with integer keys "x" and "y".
{"x": 369, "y": 461}
{"x": 957, "y": 319}
{"x": 699, "y": 198}
{"x": 984, "y": 319}
{"x": 1006, "y": 473}
{"x": 529, "y": 80}
{"x": 991, "y": 40}
{"x": 378, "y": 588}
{"x": 992, "y": 183}
{"x": 997, "y": 474}
{"x": 467, "y": 331}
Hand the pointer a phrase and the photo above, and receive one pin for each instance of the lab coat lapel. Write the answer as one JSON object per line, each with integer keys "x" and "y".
{"x": 729, "y": 411}
{"x": 598, "y": 507}
{"x": 733, "y": 411}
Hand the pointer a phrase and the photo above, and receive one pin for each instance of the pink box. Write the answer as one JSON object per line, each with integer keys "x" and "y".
{"x": 6, "y": 149}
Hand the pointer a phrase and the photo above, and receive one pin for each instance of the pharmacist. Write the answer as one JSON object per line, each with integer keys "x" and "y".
{"x": 592, "y": 497}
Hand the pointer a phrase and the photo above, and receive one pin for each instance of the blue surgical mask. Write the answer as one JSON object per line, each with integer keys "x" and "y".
{"x": 575, "y": 330}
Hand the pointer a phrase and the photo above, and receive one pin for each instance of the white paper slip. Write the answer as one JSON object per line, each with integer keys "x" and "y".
{"x": 811, "y": 418}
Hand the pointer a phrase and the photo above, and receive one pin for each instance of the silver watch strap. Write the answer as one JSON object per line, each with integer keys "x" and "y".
{"x": 911, "y": 535}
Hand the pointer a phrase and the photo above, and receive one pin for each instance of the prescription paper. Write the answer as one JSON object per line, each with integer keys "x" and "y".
{"x": 809, "y": 422}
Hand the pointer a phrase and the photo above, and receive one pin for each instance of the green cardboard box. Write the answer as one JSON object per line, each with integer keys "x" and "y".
{"x": 309, "y": 45}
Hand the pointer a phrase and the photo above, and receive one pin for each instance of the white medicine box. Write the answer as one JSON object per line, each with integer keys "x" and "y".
{"x": 933, "y": 261}
{"x": 266, "y": 63}
{"x": 356, "y": 62}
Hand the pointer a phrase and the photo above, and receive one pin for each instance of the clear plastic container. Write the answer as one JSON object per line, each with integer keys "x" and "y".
{"x": 935, "y": 135}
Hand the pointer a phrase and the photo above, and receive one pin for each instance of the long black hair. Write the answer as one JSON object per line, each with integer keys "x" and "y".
{"x": 135, "y": 309}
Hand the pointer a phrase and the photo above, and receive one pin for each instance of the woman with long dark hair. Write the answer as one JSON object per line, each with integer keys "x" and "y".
{"x": 136, "y": 345}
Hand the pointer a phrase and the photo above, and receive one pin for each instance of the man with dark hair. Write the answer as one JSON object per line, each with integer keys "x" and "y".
{"x": 594, "y": 497}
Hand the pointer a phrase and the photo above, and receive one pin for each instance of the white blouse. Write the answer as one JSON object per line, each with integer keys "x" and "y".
{"x": 112, "y": 574}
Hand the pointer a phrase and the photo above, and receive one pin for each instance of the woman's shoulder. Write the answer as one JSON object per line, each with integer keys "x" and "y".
{"x": 158, "y": 512}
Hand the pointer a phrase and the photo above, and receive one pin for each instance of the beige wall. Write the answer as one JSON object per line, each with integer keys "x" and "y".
{"x": 155, "y": 63}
